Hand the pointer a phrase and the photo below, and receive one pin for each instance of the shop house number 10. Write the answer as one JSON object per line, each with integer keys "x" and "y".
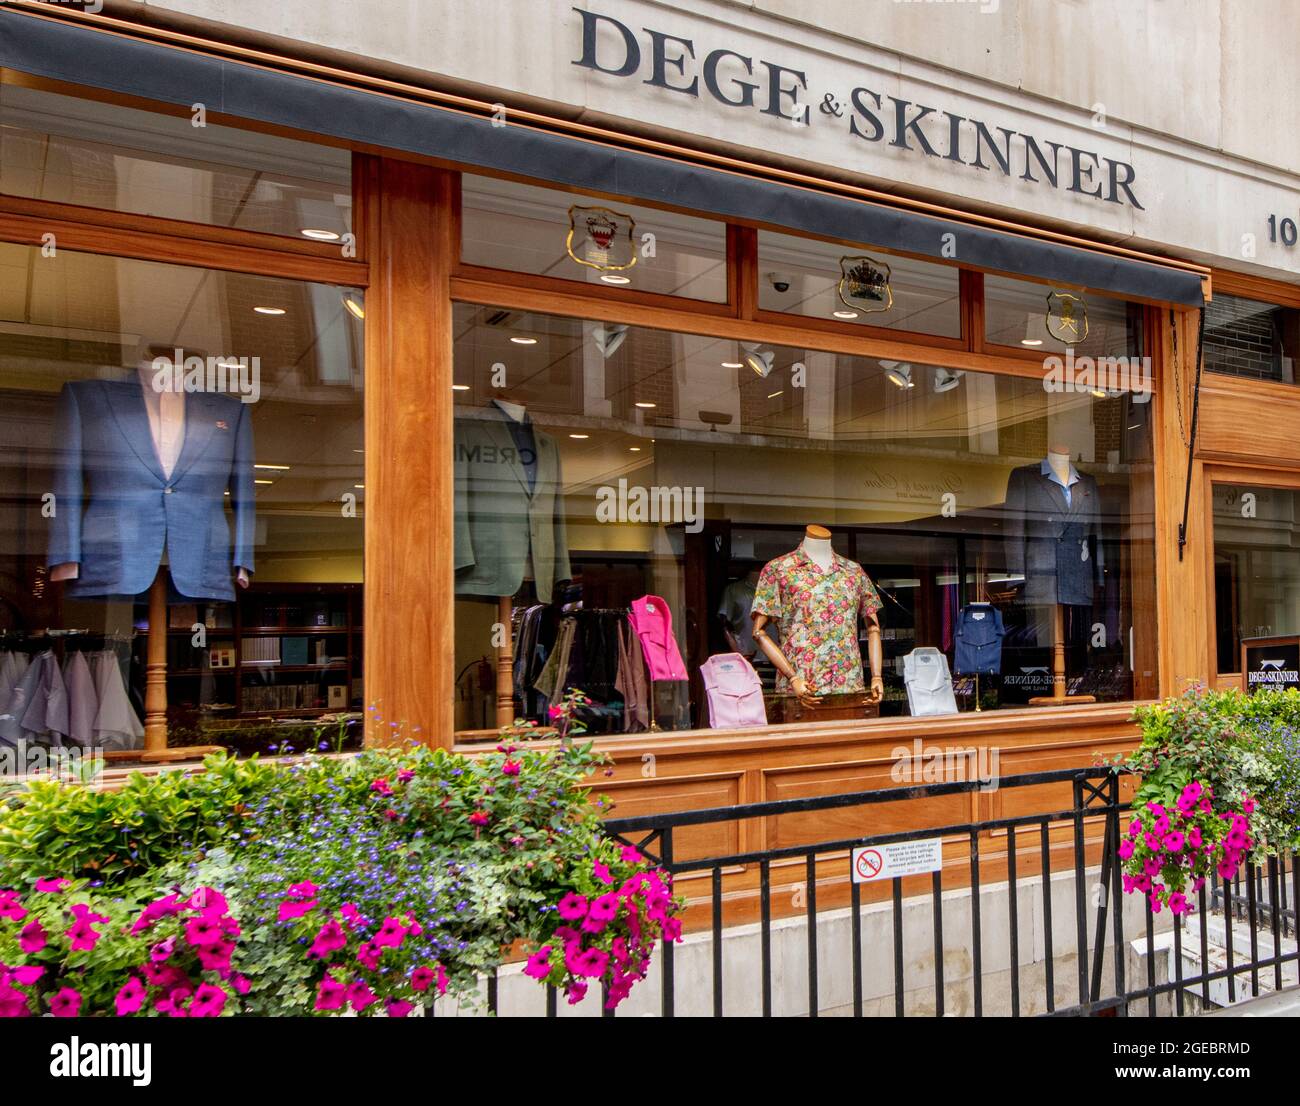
{"x": 1286, "y": 228}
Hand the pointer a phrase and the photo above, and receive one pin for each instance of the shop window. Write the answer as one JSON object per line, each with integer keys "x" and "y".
{"x": 608, "y": 243}
{"x": 75, "y": 151}
{"x": 238, "y": 461}
{"x": 603, "y": 469}
{"x": 1256, "y": 585}
{"x": 1042, "y": 318}
{"x": 1249, "y": 338}
{"x": 821, "y": 280}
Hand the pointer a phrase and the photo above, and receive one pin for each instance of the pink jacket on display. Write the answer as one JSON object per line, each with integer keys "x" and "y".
{"x": 735, "y": 692}
{"x": 653, "y": 623}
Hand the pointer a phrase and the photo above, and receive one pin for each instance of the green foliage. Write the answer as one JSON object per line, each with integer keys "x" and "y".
{"x": 1237, "y": 744}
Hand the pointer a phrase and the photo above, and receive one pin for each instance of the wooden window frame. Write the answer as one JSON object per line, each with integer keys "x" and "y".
{"x": 1250, "y": 476}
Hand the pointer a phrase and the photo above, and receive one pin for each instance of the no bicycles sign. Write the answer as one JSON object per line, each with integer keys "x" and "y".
{"x": 904, "y": 858}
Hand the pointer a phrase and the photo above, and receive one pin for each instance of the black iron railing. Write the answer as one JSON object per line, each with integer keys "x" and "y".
{"x": 1256, "y": 903}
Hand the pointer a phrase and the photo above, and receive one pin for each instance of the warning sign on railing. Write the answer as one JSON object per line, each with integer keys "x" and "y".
{"x": 903, "y": 858}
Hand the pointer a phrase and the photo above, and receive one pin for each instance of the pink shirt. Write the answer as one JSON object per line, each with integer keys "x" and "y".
{"x": 653, "y": 623}
{"x": 735, "y": 692}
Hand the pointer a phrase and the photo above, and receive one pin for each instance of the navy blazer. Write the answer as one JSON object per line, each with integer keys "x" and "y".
{"x": 114, "y": 510}
{"x": 1057, "y": 546}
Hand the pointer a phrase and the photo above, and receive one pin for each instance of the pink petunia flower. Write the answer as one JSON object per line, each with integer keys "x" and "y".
{"x": 209, "y": 1001}
{"x": 329, "y": 939}
{"x": 391, "y": 934}
{"x": 66, "y": 1003}
{"x": 51, "y": 886}
{"x": 396, "y": 1008}
{"x": 83, "y": 937}
{"x": 330, "y": 995}
{"x": 131, "y": 997}
{"x": 572, "y": 907}
{"x": 361, "y": 996}
{"x": 31, "y": 938}
{"x": 539, "y": 964}
{"x": 421, "y": 978}
{"x": 204, "y": 930}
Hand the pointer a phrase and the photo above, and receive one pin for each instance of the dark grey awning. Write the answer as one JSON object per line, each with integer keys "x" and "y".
{"x": 80, "y": 55}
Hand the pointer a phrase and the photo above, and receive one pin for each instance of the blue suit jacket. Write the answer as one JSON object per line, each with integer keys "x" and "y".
{"x": 1057, "y": 545}
{"x": 115, "y": 511}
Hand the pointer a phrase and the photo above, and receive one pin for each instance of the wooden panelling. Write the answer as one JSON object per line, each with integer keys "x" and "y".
{"x": 409, "y": 594}
{"x": 857, "y": 821}
{"x": 1249, "y": 421}
{"x": 634, "y": 797}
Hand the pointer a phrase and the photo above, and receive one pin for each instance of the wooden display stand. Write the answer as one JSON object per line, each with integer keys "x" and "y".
{"x": 1059, "y": 698}
{"x": 155, "y": 689}
{"x": 505, "y": 667}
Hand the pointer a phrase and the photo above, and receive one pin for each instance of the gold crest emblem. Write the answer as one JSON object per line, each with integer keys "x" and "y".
{"x": 601, "y": 238}
{"x": 1067, "y": 318}
{"x": 864, "y": 284}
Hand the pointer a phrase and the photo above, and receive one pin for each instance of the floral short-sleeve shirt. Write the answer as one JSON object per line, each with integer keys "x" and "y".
{"x": 818, "y": 613}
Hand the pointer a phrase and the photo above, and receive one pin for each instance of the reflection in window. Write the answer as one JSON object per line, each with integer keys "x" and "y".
{"x": 199, "y": 428}
{"x": 599, "y": 465}
{"x": 75, "y": 151}
{"x": 805, "y": 277}
{"x": 1248, "y": 338}
{"x": 609, "y": 243}
{"x": 1256, "y": 586}
{"x": 1040, "y": 317}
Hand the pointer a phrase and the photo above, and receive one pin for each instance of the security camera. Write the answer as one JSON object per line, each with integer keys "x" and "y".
{"x": 780, "y": 281}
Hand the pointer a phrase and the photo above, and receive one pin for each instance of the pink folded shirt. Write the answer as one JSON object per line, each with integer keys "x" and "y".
{"x": 653, "y": 623}
{"x": 735, "y": 692}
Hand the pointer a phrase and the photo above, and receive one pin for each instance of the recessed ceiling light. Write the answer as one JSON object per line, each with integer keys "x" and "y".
{"x": 460, "y": 387}
{"x": 732, "y": 365}
{"x": 263, "y": 481}
{"x": 273, "y": 468}
{"x": 1031, "y": 341}
{"x": 580, "y": 437}
{"x": 644, "y": 404}
{"x": 269, "y": 310}
{"x": 634, "y": 449}
{"x": 354, "y": 306}
{"x": 359, "y": 487}
{"x": 615, "y": 278}
{"x": 773, "y": 395}
{"x": 845, "y": 314}
{"x": 320, "y": 235}
{"x": 521, "y": 341}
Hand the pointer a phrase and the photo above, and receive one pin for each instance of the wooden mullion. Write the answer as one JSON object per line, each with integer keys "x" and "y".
{"x": 971, "y": 284}
{"x": 742, "y": 269}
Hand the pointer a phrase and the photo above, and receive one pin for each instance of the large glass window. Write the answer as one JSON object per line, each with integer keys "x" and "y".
{"x": 1249, "y": 338}
{"x": 636, "y": 496}
{"x": 821, "y": 280}
{"x": 1042, "y": 318}
{"x": 1256, "y": 585}
{"x": 608, "y": 243}
{"x": 190, "y": 430}
{"x": 77, "y": 151}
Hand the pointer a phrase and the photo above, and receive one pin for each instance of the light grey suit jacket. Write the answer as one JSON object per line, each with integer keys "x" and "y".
{"x": 499, "y": 523}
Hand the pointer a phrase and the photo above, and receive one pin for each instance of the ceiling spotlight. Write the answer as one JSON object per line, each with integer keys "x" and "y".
{"x": 757, "y": 360}
{"x": 898, "y": 375}
{"x": 844, "y": 313}
{"x": 609, "y": 337}
{"x": 354, "y": 307}
{"x": 615, "y": 278}
{"x": 945, "y": 380}
{"x": 522, "y": 341}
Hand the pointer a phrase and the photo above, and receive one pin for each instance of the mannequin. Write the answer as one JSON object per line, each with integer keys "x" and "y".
{"x": 142, "y": 477}
{"x": 790, "y": 593}
{"x": 1053, "y": 529}
{"x": 167, "y": 431}
{"x": 509, "y": 520}
{"x": 734, "y": 614}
